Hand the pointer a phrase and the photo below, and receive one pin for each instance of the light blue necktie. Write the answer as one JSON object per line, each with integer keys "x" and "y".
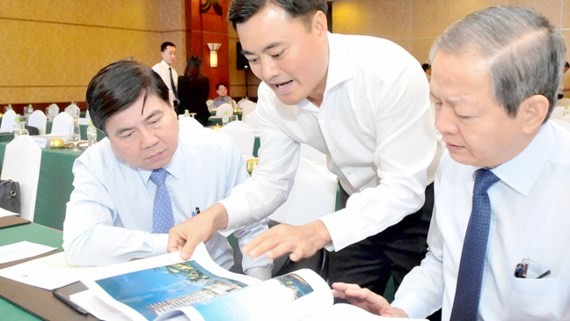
{"x": 162, "y": 219}
{"x": 468, "y": 290}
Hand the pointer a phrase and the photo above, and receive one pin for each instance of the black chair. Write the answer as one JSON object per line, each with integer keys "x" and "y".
{"x": 32, "y": 130}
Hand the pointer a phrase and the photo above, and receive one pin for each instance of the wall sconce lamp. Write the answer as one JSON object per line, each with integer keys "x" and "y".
{"x": 214, "y": 47}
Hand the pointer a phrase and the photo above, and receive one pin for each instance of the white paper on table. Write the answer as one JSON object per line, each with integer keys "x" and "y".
{"x": 22, "y": 250}
{"x": 49, "y": 272}
{"x": 92, "y": 303}
{"x": 4, "y": 212}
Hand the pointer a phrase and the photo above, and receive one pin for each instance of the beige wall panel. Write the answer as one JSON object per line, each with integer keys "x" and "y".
{"x": 42, "y": 94}
{"x": 132, "y": 14}
{"x": 66, "y": 55}
{"x": 415, "y": 24}
{"x": 390, "y": 19}
{"x": 430, "y": 18}
{"x": 172, "y": 15}
{"x": 565, "y": 23}
{"x": 552, "y": 9}
{"x": 51, "y": 49}
{"x": 465, "y": 7}
{"x": 382, "y": 18}
{"x": 351, "y": 17}
{"x": 420, "y": 49}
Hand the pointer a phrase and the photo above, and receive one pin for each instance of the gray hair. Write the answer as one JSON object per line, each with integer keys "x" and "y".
{"x": 525, "y": 54}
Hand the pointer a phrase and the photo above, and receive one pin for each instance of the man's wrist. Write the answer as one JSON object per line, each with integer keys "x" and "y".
{"x": 220, "y": 217}
{"x": 322, "y": 234}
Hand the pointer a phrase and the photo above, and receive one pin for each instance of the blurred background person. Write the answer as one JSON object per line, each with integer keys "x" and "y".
{"x": 166, "y": 70}
{"x": 223, "y": 98}
{"x": 427, "y": 69}
{"x": 561, "y": 88}
{"x": 193, "y": 90}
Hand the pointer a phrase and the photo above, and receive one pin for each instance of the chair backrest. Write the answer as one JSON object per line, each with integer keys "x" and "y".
{"x": 52, "y": 111}
{"x": 563, "y": 102}
{"x": 253, "y": 121}
{"x": 73, "y": 110}
{"x": 312, "y": 196}
{"x": 557, "y": 112}
{"x": 242, "y": 134}
{"x": 62, "y": 124}
{"x": 189, "y": 123}
{"x": 38, "y": 119}
{"x": 224, "y": 109}
{"x": 8, "y": 121}
{"x": 22, "y": 160}
{"x": 246, "y": 106}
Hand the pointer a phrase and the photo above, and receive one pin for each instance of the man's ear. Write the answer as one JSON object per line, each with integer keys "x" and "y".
{"x": 533, "y": 111}
{"x": 319, "y": 24}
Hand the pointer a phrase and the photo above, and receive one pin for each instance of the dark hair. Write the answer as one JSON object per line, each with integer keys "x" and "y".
{"x": 166, "y": 44}
{"x": 193, "y": 68}
{"x": 241, "y": 11}
{"x": 221, "y": 84}
{"x": 117, "y": 86}
{"x": 426, "y": 66}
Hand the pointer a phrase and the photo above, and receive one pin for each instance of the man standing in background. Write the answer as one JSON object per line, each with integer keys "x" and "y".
{"x": 166, "y": 71}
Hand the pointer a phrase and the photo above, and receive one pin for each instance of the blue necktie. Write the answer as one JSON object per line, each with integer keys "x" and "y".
{"x": 468, "y": 290}
{"x": 162, "y": 219}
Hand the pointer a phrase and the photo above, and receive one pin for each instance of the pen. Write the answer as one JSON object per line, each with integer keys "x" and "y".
{"x": 70, "y": 303}
{"x": 547, "y": 273}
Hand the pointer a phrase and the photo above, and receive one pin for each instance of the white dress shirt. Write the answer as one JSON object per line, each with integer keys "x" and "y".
{"x": 109, "y": 214}
{"x": 530, "y": 219}
{"x": 373, "y": 125}
{"x": 161, "y": 69}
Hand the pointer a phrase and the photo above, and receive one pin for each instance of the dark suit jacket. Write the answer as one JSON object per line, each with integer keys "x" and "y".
{"x": 193, "y": 94}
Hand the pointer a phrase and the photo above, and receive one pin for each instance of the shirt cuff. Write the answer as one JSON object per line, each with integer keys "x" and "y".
{"x": 236, "y": 217}
{"x": 411, "y": 305}
{"x": 159, "y": 243}
{"x": 259, "y": 273}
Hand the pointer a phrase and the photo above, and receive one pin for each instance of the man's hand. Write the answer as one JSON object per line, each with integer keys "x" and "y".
{"x": 185, "y": 236}
{"x": 301, "y": 241}
{"x": 366, "y": 299}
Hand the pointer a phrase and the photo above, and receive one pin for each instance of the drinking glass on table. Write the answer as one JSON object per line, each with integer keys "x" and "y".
{"x": 20, "y": 128}
{"x": 251, "y": 164}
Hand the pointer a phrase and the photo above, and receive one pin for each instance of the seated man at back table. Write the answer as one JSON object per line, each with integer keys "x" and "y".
{"x": 133, "y": 186}
{"x": 498, "y": 239}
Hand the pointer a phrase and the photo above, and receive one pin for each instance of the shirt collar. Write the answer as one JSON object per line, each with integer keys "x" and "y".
{"x": 340, "y": 66}
{"x": 174, "y": 168}
{"x": 521, "y": 172}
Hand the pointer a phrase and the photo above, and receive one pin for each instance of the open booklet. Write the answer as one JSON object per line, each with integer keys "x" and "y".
{"x": 160, "y": 289}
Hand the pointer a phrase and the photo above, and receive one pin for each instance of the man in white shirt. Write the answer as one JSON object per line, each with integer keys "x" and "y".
{"x": 111, "y": 214}
{"x": 363, "y": 101}
{"x": 493, "y": 93}
{"x": 166, "y": 70}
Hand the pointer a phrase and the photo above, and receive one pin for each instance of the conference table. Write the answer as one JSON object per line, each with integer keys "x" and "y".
{"x": 40, "y": 301}
{"x": 54, "y": 186}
